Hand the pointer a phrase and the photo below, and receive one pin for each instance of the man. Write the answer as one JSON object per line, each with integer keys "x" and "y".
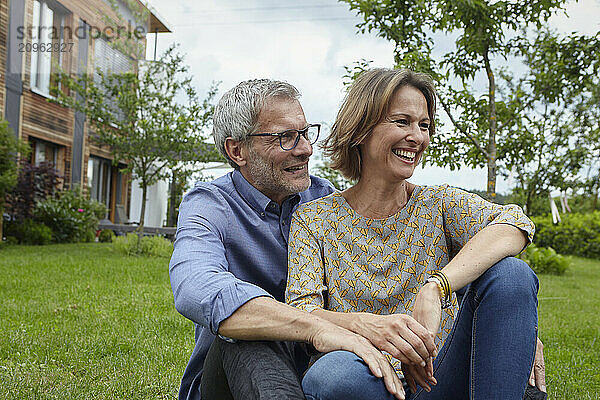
{"x": 229, "y": 267}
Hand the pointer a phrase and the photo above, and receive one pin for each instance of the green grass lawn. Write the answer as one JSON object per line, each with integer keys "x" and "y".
{"x": 83, "y": 322}
{"x": 569, "y": 323}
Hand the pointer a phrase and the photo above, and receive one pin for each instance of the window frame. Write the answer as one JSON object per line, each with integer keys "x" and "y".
{"x": 43, "y": 63}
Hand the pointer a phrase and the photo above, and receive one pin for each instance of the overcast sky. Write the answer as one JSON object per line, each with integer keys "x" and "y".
{"x": 306, "y": 43}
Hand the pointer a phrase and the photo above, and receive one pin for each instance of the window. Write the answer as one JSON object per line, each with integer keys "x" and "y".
{"x": 99, "y": 179}
{"x": 110, "y": 61}
{"x": 44, "y": 152}
{"x": 47, "y": 33}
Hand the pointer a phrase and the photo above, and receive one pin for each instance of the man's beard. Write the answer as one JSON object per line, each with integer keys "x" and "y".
{"x": 271, "y": 180}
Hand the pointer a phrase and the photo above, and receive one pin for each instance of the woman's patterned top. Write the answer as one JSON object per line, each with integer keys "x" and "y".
{"x": 341, "y": 261}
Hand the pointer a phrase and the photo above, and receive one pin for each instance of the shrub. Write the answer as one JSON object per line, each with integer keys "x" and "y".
{"x": 157, "y": 246}
{"x": 28, "y": 232}
{"x": 71, "y": 216}
{"x": 36, "y": 182}
{"x": 544, "y": 260}
{"x": 576, "y": 234}
{"x": 106, "y": 236}
{"x": 154, "y": 246}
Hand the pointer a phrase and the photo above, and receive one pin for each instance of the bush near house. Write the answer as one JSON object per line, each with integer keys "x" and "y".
{"x": 71, "y": 216}
{"x": 577, "y": 234}
{"x": 35, "y": 182}
{"x": 28, "y": 232}
{"x": 106, "y": 236}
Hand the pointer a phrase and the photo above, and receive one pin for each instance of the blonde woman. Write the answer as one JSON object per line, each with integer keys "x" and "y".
{"x": 385, "y": 257}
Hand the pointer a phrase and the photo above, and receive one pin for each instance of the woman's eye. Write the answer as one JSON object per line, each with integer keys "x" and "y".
{"x": 402, "y": 122}
{"x": 425, "y": 125}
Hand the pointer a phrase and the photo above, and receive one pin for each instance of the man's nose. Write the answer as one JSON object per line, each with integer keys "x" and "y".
{"x": 303, "y": 148}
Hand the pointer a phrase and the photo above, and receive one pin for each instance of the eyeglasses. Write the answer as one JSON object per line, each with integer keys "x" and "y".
{"x": 290, "y": 138}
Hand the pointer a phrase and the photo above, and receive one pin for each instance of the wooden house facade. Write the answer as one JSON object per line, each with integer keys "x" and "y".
{"x": 37, "y": 36}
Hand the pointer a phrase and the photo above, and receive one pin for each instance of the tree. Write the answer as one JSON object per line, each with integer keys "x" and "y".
{"x": 484, "y": 35}
{"x": 181, "y": 172}
{"x": 10, "y": 147}
{"x": 552, "y": 132}
{"x": 152, "y": 120}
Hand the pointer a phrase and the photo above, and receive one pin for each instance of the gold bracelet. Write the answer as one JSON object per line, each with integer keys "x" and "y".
{"x": 446, "y": 282}
{"x": 442, "y": 281}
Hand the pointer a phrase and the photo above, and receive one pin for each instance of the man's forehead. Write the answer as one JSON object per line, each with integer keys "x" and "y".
{"x": 282, "y": 112}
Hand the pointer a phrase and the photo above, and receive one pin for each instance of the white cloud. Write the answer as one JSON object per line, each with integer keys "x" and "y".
{"x": 305, "y": 43}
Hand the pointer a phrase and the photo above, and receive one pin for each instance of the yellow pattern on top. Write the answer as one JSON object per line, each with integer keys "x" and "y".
{"x": 341, "y": 261}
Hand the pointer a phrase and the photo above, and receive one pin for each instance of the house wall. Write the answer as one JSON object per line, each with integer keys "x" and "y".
{"x": 156, "y": 203}
{"x": 3, "y": 55}
{"x": 39, "y": 119}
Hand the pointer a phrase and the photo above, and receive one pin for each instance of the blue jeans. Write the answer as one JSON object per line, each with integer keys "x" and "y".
{"x": 488, "y": 355}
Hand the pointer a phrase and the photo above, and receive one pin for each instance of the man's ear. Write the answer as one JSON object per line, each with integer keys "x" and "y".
{"x": 237, "y": 151}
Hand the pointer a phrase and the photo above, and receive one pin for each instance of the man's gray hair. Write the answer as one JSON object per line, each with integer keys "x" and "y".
{"x": 236, "y": 114}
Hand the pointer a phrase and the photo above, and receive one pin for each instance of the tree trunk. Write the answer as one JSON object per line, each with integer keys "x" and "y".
{"x": 491, "y": 148}
{"x": 171, "y": 221}
{"x": 528, "y": 203}
{"x": 595, "y": 203}
{"x": 140, "y": 228}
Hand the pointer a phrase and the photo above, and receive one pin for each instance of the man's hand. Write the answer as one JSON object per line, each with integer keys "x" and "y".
{"x": 399, "y": 335}
{"x": 404, "y": 338}
{"x": 538, "y": 371}
{"x": 332, "y": 337}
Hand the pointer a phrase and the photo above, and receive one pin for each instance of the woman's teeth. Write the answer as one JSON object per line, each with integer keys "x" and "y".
{"x": 407, "y": 155}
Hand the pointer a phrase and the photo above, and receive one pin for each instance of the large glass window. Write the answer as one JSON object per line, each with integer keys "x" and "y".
{"x": 99, "y": 178}
{"x": 47, "y": 37}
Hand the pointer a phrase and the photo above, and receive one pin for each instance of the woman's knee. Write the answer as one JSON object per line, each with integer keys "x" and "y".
{"x": 337, "y": 375}
{"x": 512, "y": 277}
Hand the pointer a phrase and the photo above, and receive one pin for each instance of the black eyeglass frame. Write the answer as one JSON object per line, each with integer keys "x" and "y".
{"x": 298, "y": 133}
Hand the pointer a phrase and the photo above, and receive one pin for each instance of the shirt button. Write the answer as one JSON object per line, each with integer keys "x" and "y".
{"x": 283, "y": 223}
{"x": 262, "y": 214}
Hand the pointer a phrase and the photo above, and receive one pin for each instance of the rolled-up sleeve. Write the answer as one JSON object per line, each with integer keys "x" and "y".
{"x": 465, "y": 214}
{"x": 204, "y": 289}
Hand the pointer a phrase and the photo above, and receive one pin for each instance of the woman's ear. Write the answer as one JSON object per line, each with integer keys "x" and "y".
{"x": 237, "y": 151}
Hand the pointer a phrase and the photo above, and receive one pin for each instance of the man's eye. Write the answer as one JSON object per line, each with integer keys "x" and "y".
{"x": 288, "y": 135}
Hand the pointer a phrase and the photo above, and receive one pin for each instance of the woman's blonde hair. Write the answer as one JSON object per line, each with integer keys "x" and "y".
{"x": 366, "y": 105}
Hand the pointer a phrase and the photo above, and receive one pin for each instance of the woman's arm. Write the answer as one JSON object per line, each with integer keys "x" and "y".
{"x": 490, "y": 245}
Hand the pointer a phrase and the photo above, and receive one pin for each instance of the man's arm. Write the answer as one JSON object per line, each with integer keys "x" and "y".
{"x": 203, "y": 288}
{"x": 537, "y": 377}
{"x": 264, "y": 318}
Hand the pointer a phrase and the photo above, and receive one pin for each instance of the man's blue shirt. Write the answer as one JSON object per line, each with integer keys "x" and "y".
{"x": 230, "y": 247}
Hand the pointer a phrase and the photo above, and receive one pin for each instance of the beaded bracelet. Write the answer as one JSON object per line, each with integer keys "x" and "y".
{"x": 440, "y": 279}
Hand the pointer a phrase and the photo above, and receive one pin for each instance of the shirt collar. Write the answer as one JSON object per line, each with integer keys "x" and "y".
{"x": 254, "y": 197}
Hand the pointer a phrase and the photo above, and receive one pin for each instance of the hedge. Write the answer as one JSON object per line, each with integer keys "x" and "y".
{"x": 576, "y": 234}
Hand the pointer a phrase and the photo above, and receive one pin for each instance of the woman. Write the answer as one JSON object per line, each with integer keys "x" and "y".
{"x": 385, "y": 257}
